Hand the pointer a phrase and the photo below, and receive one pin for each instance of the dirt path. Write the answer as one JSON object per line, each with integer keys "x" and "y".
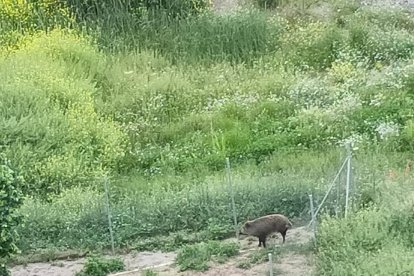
{"x": 395, "y": 3}
{"x": 69, "y": 268}
{"x": 291, "y": 263}
{"x": 224, "y": 6}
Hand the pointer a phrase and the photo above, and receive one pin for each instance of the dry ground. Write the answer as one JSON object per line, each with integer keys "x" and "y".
{"x": 69, "y": 268}
{"x": 291, "y": 263}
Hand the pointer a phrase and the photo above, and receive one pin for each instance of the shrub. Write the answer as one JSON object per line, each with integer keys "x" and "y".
{"x": 208, "y": 38}
{"x": 314, "y": 46}
{"x": 268, "y": 4}
{"x": 77, "y": 218}
{"x": 196, "y": 257}
{"x": 149, "y": 272}
{"x": 381, "y": 35}
{"x": 376, "y": 239}
{"x": 340, "y": 241}
{"x": 64, "y": 140}
{"x": 390, "y": 17}
{"x": 102, "y": 10}
{"x": 10, "y": 201}
{"x": 98, "y": 266}
{"x": 363, "y": 245}
{"x": 380, "y": 45}
{"x": 26, "y": 17}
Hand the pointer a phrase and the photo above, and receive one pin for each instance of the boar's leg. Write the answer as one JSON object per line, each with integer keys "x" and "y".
{"x": 283, "y": 235}
{"x": 262, "y": 240}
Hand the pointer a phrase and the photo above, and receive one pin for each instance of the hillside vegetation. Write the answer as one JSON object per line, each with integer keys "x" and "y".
{"x": 155, "y": 97}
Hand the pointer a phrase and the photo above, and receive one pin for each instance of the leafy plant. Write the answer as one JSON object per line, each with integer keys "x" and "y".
{"x": 99, "y": 266}
{"x": 10, "y": 201}
{"x": 149, "y": 272}
{"x": 218, "y": 230}
{"x": 196, "y": 257}
{"x": 268, "y": 4}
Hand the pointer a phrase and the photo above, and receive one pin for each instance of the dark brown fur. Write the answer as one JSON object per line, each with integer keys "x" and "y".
{"x": 263, "y": 226}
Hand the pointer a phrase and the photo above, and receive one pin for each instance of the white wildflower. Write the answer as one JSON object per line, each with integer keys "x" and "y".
{"x": 386, "y": 130}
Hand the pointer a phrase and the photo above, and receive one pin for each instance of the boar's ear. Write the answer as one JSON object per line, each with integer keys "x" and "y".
{"x": 247, "y": 224}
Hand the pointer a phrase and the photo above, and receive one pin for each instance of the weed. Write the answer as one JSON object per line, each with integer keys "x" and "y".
{"x": 198, "y": 256}
{"x": 260, "y": 256}
{"x": 156, "y": 97}
{"x": 99, "y": 266}
{"x": 245, "y": 264}
{"x": 364, "y": 242}
{"x": 149, "y": 272}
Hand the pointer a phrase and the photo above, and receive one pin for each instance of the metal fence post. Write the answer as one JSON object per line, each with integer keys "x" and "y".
{"x": 232, "y": 196}
{"x": 313, "y": 217}
{"x": 108, "y": 211}
{"x": 348, "y": 177}
{"x": 270, "y": 264}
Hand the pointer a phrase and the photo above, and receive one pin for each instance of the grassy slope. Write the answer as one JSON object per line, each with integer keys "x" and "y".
{"x": 162, "y": 125}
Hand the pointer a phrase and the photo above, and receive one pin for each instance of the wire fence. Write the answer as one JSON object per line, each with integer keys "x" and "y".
{"x": 340, "y": 203}
{"x": 346, "y": 165}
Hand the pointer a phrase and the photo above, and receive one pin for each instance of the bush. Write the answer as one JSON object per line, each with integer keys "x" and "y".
{"x": 196, "y": 257}
{"x": 209, "y": 38}
{"x": 18, "y": 18}
{"x": 10, "y": 201}
{"x": 143, "y": 211}
{"x": 268, "y": 4}
{"x": 313, "y": 46}
{"x": 102, "y": 10}
{"x": 376, "y": 239}
{"x": 381, "y": 36}
{"x": 98, "y": 266}
{"x": 64, "y": 141}
{"x": 363, "y": 245}
{"x": 380, "y": 45}
{"x": 121, "y": 25}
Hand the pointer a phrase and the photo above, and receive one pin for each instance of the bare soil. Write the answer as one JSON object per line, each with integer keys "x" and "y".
{"x": 70, "y": 268}
{"x": 290, "y": 264}
{"x": 225, "y": 6}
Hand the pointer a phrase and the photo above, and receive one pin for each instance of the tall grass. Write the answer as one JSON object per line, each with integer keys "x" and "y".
{"x": 375, "y": 240}
{"x": 77, "y": 218}
{"x": 207, "y": 38}
{"x": 139, "y": 112}
{"x": 196, "y": 257}
{"x": 144, "y": 215}
{"x": 169, "y": 98}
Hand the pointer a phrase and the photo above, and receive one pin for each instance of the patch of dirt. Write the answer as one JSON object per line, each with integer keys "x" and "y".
{"x": 70, "y": 268}
{"x": 148, "y": 259}
{"x": 389, "y": 3}
{"x": 289, "y": 264}
{"x": 224, "y": 6}
{"x": 58, "y": 268}
{"x": 295, "y": 265}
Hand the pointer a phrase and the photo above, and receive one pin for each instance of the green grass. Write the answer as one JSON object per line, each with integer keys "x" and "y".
{"x": 262, "y": 255}
{"x": 370, "y": 240}
{"x": 198, "y": 256}
{"x": 138, "y": 113}
{"x": 149, "y": 273}
{"x": 159, "y": 210}
{"x": 99, "y": 266}
{"x": 157, "y": 104}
